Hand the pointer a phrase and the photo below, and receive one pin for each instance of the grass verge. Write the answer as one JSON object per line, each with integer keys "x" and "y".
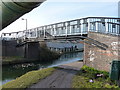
{"x": 12, "y": 58}
{"x": 28, "y": 79}
{"x": 88, "y": 77}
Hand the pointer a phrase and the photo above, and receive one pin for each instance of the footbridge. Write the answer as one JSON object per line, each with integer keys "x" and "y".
{"x": 77, "y": 27}
{"x": 72, "y": 30}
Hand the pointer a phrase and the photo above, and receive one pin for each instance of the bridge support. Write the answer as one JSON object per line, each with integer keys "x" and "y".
{"x": 99, "y": 58}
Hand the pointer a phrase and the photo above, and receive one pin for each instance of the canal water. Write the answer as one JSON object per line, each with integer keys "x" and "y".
{"x": 11, "y": 72}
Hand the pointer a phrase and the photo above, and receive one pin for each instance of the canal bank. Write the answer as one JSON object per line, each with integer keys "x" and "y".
{"x": 63, "y": 77}
{"x": 56, "y": 72}
{"x": 11, "y": 72}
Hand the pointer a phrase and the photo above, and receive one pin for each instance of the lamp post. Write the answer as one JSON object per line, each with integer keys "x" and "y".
{"x": 26, "y": 22}
{"x": 26, "y": 25}
{"x": 119, "y": 9}
{"x": 25, "y": 49}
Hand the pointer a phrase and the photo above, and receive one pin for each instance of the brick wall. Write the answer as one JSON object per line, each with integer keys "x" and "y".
{"x": 98, "y": 58}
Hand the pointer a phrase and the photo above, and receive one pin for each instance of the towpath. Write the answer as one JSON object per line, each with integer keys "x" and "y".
{"x": 61, "y": 78}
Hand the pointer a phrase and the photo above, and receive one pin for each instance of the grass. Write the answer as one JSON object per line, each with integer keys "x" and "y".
{"x": 83, "y": 77}
{"x": 12, "y": 58}
{"x": 28, "y": 79}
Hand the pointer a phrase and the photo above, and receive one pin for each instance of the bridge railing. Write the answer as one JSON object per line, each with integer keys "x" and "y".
{"x": 74, "y": 27}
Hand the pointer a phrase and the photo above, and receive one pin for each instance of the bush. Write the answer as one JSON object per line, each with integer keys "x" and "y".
{"x": 83, "y": 77}
{"x": 93, "y": 72}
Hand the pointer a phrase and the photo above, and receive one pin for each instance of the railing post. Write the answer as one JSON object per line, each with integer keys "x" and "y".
{"x": 70, "y": 30}
{"x": 40, "y": 32}
{"x": 106, "y": 27}
{"x": 51, "y": 32}
{"x": 66, "y": 28}
{"x": 88, "y": 24}
{"x": 24, "y": 34}
{"x": 36, "y": 32}
{"x": 55, "y": 31}
{"x": 44, "y": 32}
{"x": 96, "y": 27}
{"x": 29, "y": 33}
{"x": 81, "y": 28}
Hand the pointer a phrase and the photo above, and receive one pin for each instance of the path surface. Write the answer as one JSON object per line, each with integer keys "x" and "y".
{"x": 74, "y": 65}
{"x": 61, "y": 78}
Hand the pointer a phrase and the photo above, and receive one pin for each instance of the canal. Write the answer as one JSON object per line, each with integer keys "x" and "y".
{"x": 11, "y": 72}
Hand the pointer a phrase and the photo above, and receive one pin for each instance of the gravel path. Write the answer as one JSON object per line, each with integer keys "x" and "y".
{"x": 61, "y": 78}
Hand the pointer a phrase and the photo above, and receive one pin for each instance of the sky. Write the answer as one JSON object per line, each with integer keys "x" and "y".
{"x": 54, "y": 11}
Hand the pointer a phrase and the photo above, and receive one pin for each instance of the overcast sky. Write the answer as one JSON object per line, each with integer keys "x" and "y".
{"x": 53, "y": 11}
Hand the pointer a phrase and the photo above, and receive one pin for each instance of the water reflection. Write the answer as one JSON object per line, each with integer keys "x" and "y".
{"x": 67, "y": 58}
{"x": 11, "y": 72}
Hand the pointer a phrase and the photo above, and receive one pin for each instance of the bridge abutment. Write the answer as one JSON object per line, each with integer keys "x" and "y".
{"x": 98, "y": 58}
{"x": 29, "y": 51}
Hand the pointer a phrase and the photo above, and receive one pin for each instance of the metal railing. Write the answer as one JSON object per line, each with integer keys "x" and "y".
{"x": 81, "y": 26}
